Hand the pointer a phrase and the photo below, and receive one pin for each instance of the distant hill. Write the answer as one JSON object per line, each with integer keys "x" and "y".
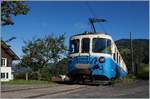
{"x": 140, "y": 51}
{"x": 125, "y": 43}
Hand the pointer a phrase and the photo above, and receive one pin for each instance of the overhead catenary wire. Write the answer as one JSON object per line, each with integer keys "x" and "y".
{"x": 94, "y": 15}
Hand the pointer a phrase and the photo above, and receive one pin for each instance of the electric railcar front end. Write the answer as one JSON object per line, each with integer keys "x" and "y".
{"x": 91, "y": 56}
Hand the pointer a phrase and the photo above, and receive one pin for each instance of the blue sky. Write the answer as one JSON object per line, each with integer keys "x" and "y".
{"x": 49, "y": 17}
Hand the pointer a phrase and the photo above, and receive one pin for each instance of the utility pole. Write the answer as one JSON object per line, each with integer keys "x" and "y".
{"x": 131, "y": 53}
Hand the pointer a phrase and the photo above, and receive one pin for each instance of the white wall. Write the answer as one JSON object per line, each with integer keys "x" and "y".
{"x": 6, "y": 70}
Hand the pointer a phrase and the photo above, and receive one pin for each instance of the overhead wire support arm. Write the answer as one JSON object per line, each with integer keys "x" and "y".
{"x": 92, "y": 23}
{"x": 94, "y": 20}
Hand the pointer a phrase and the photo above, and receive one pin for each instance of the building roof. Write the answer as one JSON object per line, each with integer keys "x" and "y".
{"x": 9, "y": 51}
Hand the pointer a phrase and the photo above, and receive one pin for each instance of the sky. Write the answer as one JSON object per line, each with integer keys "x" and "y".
{"x": 49, "y": 17}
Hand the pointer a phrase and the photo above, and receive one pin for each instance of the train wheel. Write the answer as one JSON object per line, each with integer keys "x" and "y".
{"x": 92, "y": 79}
{"x": 73, "y": 79}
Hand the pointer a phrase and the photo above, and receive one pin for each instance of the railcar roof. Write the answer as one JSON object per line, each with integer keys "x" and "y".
{"x": 91, "y": 33}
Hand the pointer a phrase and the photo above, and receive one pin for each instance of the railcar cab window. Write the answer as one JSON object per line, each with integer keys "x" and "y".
{"x": 101, "y": 45}
{"x": 85, "y": 45}
{"x": 74, "y": 46}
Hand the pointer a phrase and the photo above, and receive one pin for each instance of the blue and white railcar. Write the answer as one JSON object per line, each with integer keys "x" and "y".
{"x": 95, "y": 55}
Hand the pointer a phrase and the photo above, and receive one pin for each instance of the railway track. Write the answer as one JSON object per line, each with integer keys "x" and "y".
{"x": 46, "y": 91}
{"x": 22, "y": 89}
{"x": 51, "y": 91}
{"x": 134, "y": 89}
{"x": 56, "y": 93}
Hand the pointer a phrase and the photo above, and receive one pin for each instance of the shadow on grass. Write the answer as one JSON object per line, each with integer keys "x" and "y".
{"x": 142, "y": 77}
{"x": 84, "y": 83}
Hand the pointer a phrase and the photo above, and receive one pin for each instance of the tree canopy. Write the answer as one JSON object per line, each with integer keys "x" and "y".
{"x": 38, "y": 53}
{"x": 140, "y": 52}
{"x": 12, "y": 8}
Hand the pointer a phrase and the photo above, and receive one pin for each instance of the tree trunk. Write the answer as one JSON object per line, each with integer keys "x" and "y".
{"x": 26, "y": 75}
{"x": 39, "y": 75}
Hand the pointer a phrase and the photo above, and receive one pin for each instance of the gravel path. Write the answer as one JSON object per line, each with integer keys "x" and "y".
{"x": 136, "y": 89}
{"x": 7, "y": 87}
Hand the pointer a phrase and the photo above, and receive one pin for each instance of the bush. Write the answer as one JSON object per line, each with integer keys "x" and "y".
{"x": 127, "y": 79}
{"x": 33, "y": 76}
{"x": 143, "y": 71}
{"x": 19, "y": 76}
{"x": 45, "y": 74}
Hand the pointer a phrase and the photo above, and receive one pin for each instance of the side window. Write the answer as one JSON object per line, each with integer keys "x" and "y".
{"x": 2, "y": 75}
{"x": 117, "y": 57}
{"x": 8, "y": 63}
{"x": 74, "y": 46}
{"x": 6, "y": 75}
{"x": 85, "y": 45}
{"x": 4, "y": 62}
{"x": 109, "y": 46}
{"x": 114, "y": 56}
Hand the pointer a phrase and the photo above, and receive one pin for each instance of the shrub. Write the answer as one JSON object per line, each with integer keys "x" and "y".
{"x": 143, "y": 71}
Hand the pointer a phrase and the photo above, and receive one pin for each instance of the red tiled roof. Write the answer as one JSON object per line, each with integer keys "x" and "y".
{"x": 8, "y": 50}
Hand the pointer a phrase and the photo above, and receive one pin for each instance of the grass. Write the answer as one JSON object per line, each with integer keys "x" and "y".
{"x": 22, "y": 82}
{"x": 128, "y": 79}
{"x": 143, "y": 73}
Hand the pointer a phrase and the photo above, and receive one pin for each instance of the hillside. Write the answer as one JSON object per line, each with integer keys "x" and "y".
{"x": 140, "y": 52}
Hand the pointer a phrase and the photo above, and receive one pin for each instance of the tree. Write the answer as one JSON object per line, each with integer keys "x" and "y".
{"x": 38, "y": 53}
{"x": 60, "y": 67}
{"x": 10, "y": 8}
{"x": 140, "y": 52}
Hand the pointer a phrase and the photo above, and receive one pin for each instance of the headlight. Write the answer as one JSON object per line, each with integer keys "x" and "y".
{"x": 101, "y": 59}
